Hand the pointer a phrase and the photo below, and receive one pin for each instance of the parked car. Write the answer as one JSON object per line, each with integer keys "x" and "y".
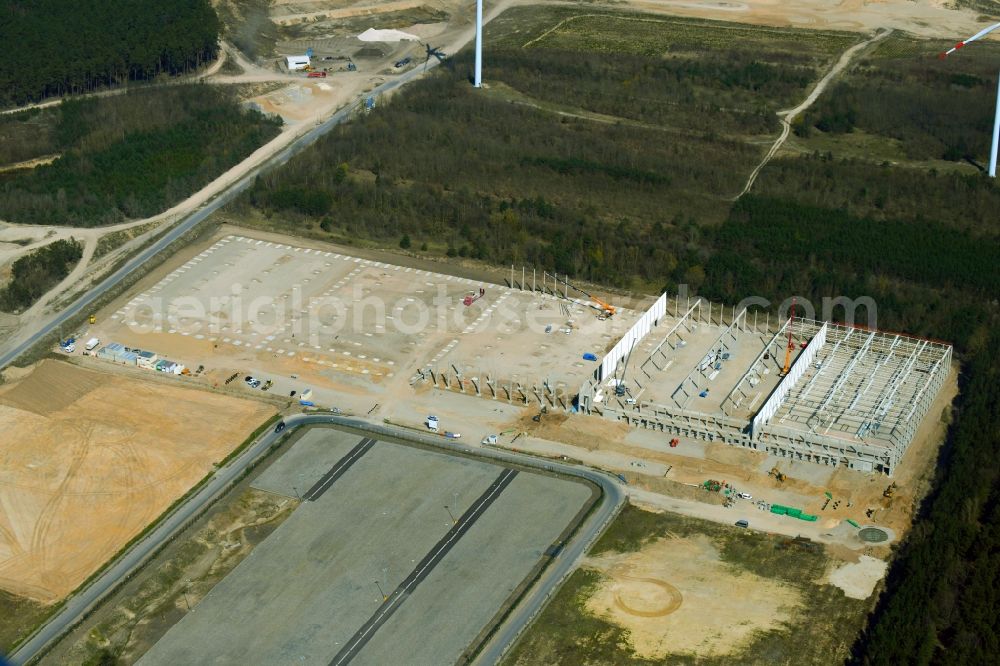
{"x": 432, "y": 423}
{"x": 742, "y": 523}
{"x": 746, "y": 496}
{"x": 280, "y": 426}
{"x": 402, "y": 63}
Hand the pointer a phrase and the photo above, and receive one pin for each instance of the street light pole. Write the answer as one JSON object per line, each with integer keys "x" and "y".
{"x": 384, "y": 598}
{"x": 453, "y": 521}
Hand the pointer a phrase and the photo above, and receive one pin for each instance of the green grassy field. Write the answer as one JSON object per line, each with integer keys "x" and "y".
{"x": 680, "y": 73}
{"x": 932, "y": 110}
{"x": 20, "y": 617}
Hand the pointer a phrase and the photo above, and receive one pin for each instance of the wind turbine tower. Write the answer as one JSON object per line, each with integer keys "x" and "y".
{"x": 478, "y": 76}
{"x": 996, "y": 118}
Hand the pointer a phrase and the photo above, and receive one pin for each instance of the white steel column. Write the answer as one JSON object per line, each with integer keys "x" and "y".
{"x": 996, "y": 135}
{"x": 478, "y": 78}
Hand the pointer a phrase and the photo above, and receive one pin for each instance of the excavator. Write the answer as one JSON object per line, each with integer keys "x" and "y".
{"x": 890, "y": 490}
{"x": 606, "y": 309}
{"x": 777, "y": 474}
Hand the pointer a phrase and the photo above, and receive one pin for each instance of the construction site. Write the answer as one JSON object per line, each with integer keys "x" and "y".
{"x": 374, "y": 337}
{"x": 801, "y": 389}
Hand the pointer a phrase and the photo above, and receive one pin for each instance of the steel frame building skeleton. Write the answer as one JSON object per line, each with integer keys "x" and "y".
{"x": 853, "y": 397}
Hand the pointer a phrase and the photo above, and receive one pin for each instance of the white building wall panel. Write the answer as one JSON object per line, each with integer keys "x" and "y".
{"x": 794, "y": 374}
{"x": 639, "y": 330}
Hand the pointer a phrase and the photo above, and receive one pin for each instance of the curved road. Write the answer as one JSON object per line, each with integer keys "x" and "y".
{"x": 77, "y": 606}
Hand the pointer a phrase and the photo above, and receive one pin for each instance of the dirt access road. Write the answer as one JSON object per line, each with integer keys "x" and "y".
{"x": 788, "y": 116}
{"x": 921, "y": 18}
{"x": 345, "y": 92}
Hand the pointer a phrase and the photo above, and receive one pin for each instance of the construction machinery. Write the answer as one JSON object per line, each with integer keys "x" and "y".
{"x": 92, "y": 319}
{"x": 606, "y": 309}
{"x": 791, "y": 345}
{"x": 890, "y": 490}
{"x": 777, "y": 474}
{"x": 471, "y": 297}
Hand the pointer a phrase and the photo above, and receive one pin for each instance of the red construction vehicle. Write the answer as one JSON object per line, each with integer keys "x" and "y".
{"x": 316, "y": 75}
{"x": 472, "y": 297}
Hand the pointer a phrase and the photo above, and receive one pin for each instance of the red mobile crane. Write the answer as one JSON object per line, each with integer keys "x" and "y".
{"x": 791, "y": 345}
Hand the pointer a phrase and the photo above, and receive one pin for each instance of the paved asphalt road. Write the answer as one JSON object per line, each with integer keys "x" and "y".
{"x": 76, "y": 606}
{"x": 10, "y": 352}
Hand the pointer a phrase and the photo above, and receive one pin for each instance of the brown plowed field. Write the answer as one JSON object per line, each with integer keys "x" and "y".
{"x": 88, "y": 460}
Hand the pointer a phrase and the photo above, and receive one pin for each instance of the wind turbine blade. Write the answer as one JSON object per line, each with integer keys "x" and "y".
{"x": 979, "y": 35}
{"x": 983, "y": 33}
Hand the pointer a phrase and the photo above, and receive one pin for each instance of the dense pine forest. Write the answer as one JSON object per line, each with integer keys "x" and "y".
{"x": 34, "y": 274}
{"x": 55, "y": 47}
{"x": 126, "y": 156}
{"x": 506, "y": 180}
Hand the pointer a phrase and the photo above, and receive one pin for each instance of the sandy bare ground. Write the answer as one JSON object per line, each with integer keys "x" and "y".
{"x": 858, "y": 579}
{"x": 29, "y": 164}
{"x": 676, "y": 596}
{"x": 89, "y": 459}
{"x": 923, "y": 18}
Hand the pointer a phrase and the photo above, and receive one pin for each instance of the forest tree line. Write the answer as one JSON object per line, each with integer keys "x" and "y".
{"x": 506, "y": 184}
{"x": 935, "y": 109}
{"x": 55, "y": 47}
{"x": 35, "y": 273}
{"x": 131, "y": 155}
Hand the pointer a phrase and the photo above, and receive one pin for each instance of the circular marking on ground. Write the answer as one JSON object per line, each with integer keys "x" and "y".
{"x": 637, "y": 598}
{"x": 873, "y": 535}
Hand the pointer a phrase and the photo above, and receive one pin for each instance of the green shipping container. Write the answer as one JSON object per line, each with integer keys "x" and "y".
{"x": 792, "y": 511}
{"x": 807, "y": 517}
{"x": 851, "y": 522}
{"x": 778, "y": 509}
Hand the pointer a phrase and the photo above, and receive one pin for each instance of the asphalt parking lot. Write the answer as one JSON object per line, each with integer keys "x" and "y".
{"x": 403, "y": 557}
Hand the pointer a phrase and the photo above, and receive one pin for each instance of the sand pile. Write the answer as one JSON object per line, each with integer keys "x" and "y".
{"x": 373, "y": 35}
